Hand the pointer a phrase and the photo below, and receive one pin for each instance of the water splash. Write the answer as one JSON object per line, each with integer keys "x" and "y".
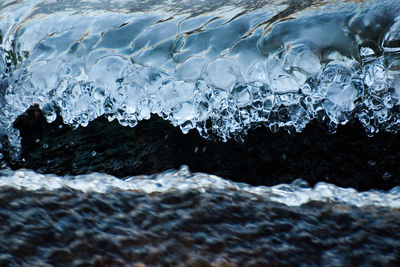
{"x": 294, "y": 194}
{"x": 235, "y": 65}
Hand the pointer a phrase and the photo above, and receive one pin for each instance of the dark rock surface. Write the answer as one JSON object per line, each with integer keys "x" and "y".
{"x": 190, "y": 228}
{"x": 348, "y": 158}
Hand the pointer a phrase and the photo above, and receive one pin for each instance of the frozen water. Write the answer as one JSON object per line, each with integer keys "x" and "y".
{"x": 234, "y": 64}
{"x": 294, "y": 194}
{"x": 222, "y": 73}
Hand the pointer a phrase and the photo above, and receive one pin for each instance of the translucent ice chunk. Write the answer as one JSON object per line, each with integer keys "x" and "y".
{"x": 191, "y": 69}
{"x": 391, "y": 42}
{"x": 302, "y": 58}
{"x": 241, "y": 94}
{"x": 336, "y": 82}
{"x": 375, "y": 73}
{"x": 183, "y": 112}
{"x": 282, "y": 82}
{"x": 113, "y": 66}
{"x": 258, "y": 72}
{"x": 222, "y": 73}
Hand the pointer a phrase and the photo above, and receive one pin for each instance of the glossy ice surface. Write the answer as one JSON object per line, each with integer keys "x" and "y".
{"x": 237, "y": 64}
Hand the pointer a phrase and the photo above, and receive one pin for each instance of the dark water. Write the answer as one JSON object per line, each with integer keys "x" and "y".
{"x": 183, "y": 219}
{"x": 65, "y": 227}
{"x": 348, "y": 158}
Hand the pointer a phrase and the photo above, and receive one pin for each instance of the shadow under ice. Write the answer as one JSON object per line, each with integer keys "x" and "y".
{"x": 348, "y": 158}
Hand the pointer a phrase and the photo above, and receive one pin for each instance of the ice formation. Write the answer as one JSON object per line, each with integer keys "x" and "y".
{"x": 294, "y": 194}
{"x": 218, "y": 68}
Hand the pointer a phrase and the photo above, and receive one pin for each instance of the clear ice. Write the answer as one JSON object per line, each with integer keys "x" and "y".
{"x": 233, "y": 64}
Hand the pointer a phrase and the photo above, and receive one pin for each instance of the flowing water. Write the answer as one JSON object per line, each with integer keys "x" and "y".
{"x": 217, "y": 67}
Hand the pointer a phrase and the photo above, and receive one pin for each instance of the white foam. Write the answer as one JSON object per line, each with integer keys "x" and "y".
{"x": 294, "y": 194}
